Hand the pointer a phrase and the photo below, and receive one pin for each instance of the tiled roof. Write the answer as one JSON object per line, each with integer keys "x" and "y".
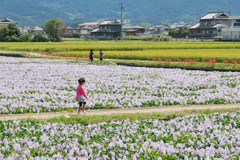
{"x": 197, "y": 26}
{"x": 110, "y": 22}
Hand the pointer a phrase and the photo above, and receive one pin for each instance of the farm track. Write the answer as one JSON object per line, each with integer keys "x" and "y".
{"x": 120, "y": 111}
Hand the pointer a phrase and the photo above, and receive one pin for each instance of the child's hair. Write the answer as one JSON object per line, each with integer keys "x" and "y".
{"x": 81, "y": 80}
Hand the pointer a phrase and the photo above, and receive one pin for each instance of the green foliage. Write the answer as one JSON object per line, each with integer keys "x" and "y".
{"x": 39, "y": 38}
{"x": 53, "y": 28}
{"x": 137, "y": 11}
{"x": 181, "y": 31}
{"x": 11, "y": 33}
{"x": 75, "y": 24}
{"x": 76, "y": 35}
{"x": 26, "y": 37}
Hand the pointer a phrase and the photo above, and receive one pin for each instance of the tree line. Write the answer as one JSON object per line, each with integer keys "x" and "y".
{"x": 52, "y": 32}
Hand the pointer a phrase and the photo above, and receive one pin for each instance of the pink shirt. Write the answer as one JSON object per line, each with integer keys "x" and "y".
{"x": 80, "y": 92}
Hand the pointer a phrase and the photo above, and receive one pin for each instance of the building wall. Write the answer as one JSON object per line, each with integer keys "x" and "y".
{"x": 115, "y": 28}
{"x": 214, "y": 22}
{"x": 84, "y": 32}
{"x": 231, "y": 33}
{"x": 3, "y": 25}
{"x": 161, "y": 28}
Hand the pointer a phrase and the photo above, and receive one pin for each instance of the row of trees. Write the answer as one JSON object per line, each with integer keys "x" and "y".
{"x": 52, "y": 32}
{"x": 180, "y": 32}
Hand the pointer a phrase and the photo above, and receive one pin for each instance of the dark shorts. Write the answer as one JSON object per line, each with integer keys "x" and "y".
{"x": 101, "y": 59}
{"x": 81, "y": 103}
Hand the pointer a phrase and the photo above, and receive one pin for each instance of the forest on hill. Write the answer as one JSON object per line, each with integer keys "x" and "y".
{"x": 136, "y": 11}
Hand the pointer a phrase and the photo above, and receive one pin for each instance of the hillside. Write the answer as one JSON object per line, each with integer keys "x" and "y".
{"x": 137, "y": 11}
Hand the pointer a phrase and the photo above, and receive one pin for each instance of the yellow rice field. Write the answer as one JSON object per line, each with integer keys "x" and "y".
{"x": 196, "y": 54}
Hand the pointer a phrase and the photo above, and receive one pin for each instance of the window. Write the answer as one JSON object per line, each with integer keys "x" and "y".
{"x": 105, "y": 27}
{"x": 100, "y": 27}
{"x": 211, "y": 32}
{"x": 203, "y": 32}
{"x": 237, "y": 22}
{"x": 192, "y": 32}
{"x": 69, "y": 31}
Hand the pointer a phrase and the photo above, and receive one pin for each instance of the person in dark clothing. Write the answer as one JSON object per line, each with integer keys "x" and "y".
{"x": 91, "y": 55}
{"x": 101, "y": 55}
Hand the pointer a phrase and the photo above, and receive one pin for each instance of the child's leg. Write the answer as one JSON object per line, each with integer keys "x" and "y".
{"x": 83, "y": 107}
{"x": 79, "y": 108}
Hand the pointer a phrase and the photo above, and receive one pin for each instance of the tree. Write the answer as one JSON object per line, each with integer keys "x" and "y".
{"x": 172, "y": 32}
{"x": 76, "y": 35}
{"x": 11, "y": 33}
{"x": 76, "y": 25}
{"x": 54, "y": 28}
{"x": 26, "y": 37}
{"x": 39, "y": 38}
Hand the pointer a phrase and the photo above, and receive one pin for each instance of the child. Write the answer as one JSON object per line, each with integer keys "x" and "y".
{"x": 81, "y": 96}
{"x": 101, "y": 55}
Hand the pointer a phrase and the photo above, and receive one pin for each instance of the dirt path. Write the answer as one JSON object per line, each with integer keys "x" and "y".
{"x": 120, "y": 111}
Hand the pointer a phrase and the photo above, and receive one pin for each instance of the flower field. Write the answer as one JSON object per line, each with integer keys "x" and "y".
{"x": 197, "y": 137}
{"x": 45, "y": 85}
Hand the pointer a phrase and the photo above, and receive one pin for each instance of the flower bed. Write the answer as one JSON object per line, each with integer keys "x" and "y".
{"x": 191, "y": 137}
{"x": 45, "y": 85}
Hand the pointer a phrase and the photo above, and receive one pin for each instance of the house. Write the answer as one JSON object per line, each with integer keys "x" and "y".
{"x": 160, "y": 29}
{"x": 135, "y": 30}
{"x": 177, "y": 27}
{"x": 5, "y": 21}
{"x": 233, "y": 32}
{"x": 92, "y": 25}
{"x": 85, "y": 31}
{"x": 35, "y": 29}
{"x": 210, "y": 25}
{"x": 68, "y": 33}
{"x": 107, "y": 29}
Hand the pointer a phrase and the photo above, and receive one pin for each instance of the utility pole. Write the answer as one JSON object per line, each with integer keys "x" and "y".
{"x": 145, "y": 24}
{"x": 122, "y": 19}
{"x": 43, "y": 14}
{"x": 33, "y": 26}
{"x": 22, "y": 25}
{"x": 152, "y": 23}
{"x": 229, "y": 19}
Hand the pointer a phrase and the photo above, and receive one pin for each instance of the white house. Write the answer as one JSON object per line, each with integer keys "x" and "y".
{"x": 232, "y": 33}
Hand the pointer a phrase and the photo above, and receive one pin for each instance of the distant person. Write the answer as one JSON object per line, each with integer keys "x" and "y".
{"x": 91, "y": 55}
{"x": 81, "y": 97}
{"x": 101, "y": 55}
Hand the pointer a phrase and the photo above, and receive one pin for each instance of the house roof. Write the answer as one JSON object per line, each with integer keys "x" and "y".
{"x": 215, "y": 15}
{"x": 161, "y": 25}
{"x": 197, "y": 26}
{"x": 89, "y": 24}
{"x": 4, "y": 19}
{"x": 35, "y": 29}
{"x": 110, "y": 22}
{"x": 87, "y": 28}
{"x": 234, "y": 17}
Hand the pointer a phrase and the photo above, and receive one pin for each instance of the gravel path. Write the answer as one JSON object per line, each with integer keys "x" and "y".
{"x": 120, "y": 111}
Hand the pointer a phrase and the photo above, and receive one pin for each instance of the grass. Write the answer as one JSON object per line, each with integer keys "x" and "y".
{"x": 88, "y": 119}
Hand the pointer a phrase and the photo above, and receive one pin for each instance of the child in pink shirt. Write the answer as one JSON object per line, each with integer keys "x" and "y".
{"x": 81, "y": 97}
